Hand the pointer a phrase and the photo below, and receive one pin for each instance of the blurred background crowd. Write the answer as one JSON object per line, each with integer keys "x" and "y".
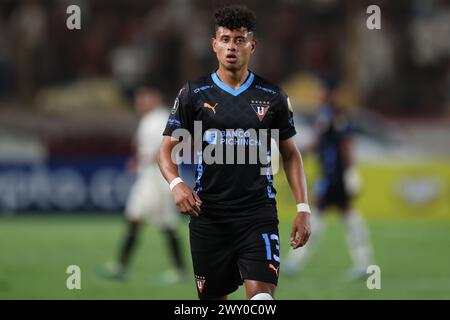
{"x": 401, "y": 69}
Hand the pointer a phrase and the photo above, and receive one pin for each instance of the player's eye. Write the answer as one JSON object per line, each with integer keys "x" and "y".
{"x": 225, "y": 39}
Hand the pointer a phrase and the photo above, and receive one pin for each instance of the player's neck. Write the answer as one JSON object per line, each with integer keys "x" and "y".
{"x": 233, "y": 79}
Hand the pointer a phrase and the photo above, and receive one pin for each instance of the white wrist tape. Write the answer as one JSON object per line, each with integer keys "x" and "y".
{"x": 303, "y": 207}
{"x": 174, "y": 182}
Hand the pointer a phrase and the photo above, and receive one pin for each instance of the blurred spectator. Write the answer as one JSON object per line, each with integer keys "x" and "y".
{"x": 28, "y": 28}
{"x": 6, "y": 58}
{"x": 129, "y": 58}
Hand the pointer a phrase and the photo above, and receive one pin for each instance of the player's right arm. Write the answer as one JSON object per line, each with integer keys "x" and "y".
{"x": 185, "y": 198}
{"x": 187, "y": 201}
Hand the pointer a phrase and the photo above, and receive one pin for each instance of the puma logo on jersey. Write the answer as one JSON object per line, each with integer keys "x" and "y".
{"x": 271, "y": 266}
{"x": 213, "y": 108}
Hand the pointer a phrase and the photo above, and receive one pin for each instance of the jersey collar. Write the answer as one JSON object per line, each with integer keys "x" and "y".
{"x": 230, "y": 90}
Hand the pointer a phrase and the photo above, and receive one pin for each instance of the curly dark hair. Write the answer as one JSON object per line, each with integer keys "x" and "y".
{"x": 234, "y": 17}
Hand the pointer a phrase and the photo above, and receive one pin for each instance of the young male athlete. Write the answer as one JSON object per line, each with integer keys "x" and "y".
{"x": 233, "y": 216}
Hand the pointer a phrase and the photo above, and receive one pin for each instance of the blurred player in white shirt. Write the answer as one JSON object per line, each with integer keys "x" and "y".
{"x": 150, "y": 198}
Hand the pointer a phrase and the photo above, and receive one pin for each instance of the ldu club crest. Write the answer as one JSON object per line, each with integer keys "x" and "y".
{"x": 260, "y": 107}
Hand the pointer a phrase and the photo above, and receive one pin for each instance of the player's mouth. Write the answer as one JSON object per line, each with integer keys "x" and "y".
{"x": 231, "y": 58}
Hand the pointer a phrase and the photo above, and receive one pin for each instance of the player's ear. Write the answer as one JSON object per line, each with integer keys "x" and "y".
{"x": 253, "y": 45}
{"x": 251, "y": 38}
{"x": 213, "y": 44}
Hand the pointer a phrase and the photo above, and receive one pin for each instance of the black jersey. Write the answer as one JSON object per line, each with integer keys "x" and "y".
{"x": 333, "y": 128}
{"x": 226, "y": 116}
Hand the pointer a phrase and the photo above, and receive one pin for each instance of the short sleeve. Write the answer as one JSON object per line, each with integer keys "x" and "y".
{"x": 181, "y": 113}
{"x": 284, "y": 117}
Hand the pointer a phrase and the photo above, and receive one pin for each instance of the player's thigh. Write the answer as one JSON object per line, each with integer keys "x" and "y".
{"x": 258, "y": 250}
{"x": 341, "y": 198}
{"x": 143, "y": 201}
{"x": 215, "y": 268}
{"x": 322, "y": 195}
{"x": 136, "y": 202}
{"x": 150, "y": 199}
{"x": 164, "y": 212}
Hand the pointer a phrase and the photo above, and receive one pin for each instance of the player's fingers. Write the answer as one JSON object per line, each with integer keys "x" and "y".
{"x": 197, "y": 198}
{"x": 192, "y": 207}
{"x": 293, "y": 232}
{"x": 191, "y": 212}
{"x": 196, "y": 203}
{"x": 293, "y": 239}
{"x": 193, "y": 204}
{"x": 182, "y": 207}
{"x": 301, "y": 239}
{"x": 185, "y": 208}
{"x": 304, "y": 239}
{"x": 194, "y": 211}
{"x": 308, "y": 234}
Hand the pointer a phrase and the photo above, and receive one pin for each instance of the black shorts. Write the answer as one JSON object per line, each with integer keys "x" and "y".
{"x": 226, "y": 252}
{"x": 328, "y": 194}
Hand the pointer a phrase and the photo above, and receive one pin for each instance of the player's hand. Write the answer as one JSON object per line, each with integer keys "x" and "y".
{"x": 186, "y": 200}
{"x": 301, "y": 230}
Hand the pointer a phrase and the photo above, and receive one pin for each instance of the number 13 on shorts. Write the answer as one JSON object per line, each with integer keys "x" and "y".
{"x": 276, "y": 254}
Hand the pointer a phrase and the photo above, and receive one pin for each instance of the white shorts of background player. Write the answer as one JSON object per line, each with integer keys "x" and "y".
{"x": 151, "y": 200}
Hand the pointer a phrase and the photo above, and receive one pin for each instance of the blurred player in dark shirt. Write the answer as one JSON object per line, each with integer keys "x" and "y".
{"x": 338, "y": 185}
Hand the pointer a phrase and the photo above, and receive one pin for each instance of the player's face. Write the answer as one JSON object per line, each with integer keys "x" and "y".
{"x": 146, "y": 101}
{"x": 233, "y": 48}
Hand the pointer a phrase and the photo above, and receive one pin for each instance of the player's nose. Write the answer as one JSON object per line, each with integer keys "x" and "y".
{"x": 231, "y": 46}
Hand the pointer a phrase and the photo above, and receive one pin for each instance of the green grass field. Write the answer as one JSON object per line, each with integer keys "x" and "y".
{"x": 36, "y": 250}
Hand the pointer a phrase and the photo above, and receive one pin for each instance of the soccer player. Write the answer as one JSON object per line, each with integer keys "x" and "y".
{"x": 233, "y": 216}
{"x": 338, "y": 185}
{"x": 149, "y": 198}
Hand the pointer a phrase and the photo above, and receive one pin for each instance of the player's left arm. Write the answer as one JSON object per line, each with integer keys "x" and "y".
{"x": 293, "y": 167}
